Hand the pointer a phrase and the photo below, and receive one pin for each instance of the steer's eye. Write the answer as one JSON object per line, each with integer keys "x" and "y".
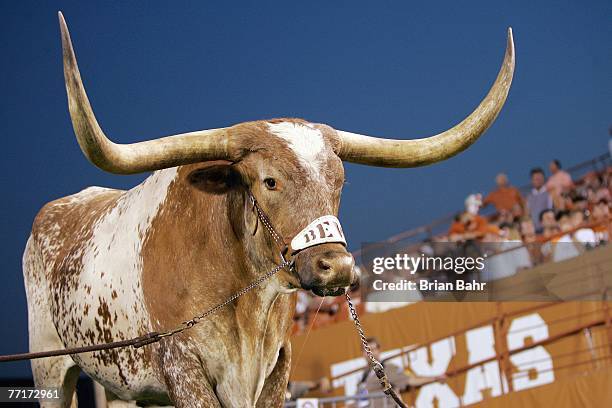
{"x": 270, "y": 183}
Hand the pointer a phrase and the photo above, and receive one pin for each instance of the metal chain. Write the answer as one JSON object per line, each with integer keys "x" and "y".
{"x": 374, "y": 364}
{"x": 196, "y": 319}
{"x": 360, "y": 332}
{"x": 145, "y": 339}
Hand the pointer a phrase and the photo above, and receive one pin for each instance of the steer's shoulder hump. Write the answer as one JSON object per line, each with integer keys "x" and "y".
{"x": 64, "y": 216}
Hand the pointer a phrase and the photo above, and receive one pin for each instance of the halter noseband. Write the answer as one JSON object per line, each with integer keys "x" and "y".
{"x": 324, "y": 229}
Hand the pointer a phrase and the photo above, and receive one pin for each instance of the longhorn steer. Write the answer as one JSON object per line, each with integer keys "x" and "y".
{"x": 104, "y": 265}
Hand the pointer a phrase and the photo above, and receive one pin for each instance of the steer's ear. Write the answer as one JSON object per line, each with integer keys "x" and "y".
{"x": 215, "y": 179}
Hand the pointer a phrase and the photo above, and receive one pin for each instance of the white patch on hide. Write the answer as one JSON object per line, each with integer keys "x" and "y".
{"x": 306, "y": 142}
{"x": 112, "y": 265}
{"x": 106, "y": 295}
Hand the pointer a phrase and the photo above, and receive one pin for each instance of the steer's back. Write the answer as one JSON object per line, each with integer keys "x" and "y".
{"x": 81, "y": 270}
{"x": 62, "y": 227}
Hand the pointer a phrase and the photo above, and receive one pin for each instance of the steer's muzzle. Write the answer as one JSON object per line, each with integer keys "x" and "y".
{"x": 326, "y": 270}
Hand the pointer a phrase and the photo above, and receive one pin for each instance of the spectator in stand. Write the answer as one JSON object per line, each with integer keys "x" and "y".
{"x": 560, "y": 181}
{"x": 528, "y": 233}
{"x": 582, "y": 234}
{"x": 518, "y": 211}
{"x": 550, "y": 225}
{"x": 399, "y": 378}
{"x": 589, "y": 181}
{"x": 602, "y": 193}
{"x": 300, "y": 317}
{"x": 506, "y": 254}
{"x": 594, "y": 187}
{"x": 607, "y": 178}
{"x": 505, "y": 197}
{"x": 469, "y": 225}
{"x": 564, "y": 246}
{"x": 297, "y": 389}
{"x": 530, "y": 240}
{"x": 322, "y": 311}
{"x": 564, "y": 221}
{"x": 510, "y": 231}
{"x": 580, "y": 203}
{"x": 602, "y": 225}
{"x": 504, "y": 217}
{"x": 567, "y": 201}
{"x": 538, "y": 199}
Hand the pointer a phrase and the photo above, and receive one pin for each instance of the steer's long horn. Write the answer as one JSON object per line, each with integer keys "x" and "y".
{"x": 137, "y": 157}
{"x": 375, "y": 151}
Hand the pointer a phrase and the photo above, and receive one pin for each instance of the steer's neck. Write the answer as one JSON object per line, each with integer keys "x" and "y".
{"x": 193, "y": 258}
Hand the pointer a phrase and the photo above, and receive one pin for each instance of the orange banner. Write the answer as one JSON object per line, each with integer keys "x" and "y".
{"x": 571, "y": 339}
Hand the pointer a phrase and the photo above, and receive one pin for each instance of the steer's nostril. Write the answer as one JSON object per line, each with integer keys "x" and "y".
{"x": 324, "y": 265}
{"x": 327, "y": 273}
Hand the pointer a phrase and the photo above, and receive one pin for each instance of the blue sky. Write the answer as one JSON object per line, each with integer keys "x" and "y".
{"x": 394, "y": 69}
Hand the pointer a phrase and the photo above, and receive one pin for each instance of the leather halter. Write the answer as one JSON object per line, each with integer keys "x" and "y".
{"x": 324, "y": 229}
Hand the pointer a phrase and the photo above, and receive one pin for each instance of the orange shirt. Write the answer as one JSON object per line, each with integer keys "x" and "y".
{"x": 504, "y": 198}
{"x": 600, "y": 228}
{"x": 477, "y": 225}
{"x": 456, "y": 227}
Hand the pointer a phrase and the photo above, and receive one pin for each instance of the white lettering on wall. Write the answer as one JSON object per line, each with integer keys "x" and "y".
{"x": 535, "y": 365}
{"x": 481, "y": 346}
{"x": 431, "y": 362}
